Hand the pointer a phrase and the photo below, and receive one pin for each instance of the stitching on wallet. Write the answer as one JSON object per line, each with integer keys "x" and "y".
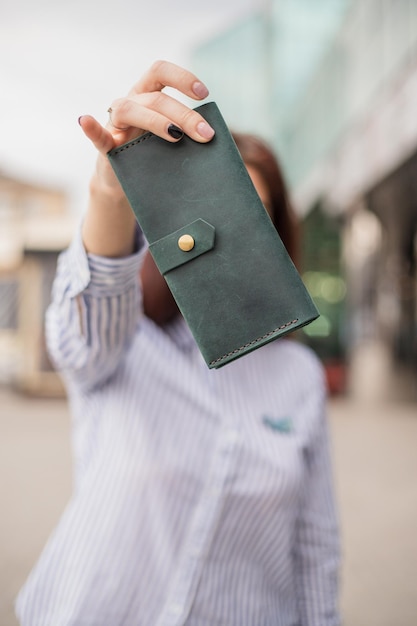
{"x": 132, "y": 143}
{"x": 251, "y": 343}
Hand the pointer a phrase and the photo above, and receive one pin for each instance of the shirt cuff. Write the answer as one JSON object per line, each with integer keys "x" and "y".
{"x": 102, "y": 276}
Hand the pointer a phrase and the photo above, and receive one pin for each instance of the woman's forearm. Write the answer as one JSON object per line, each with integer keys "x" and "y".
{"x": 109, "y": 224}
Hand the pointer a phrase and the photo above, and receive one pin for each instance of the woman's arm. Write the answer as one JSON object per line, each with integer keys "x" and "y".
{"x": 96, "y": 298}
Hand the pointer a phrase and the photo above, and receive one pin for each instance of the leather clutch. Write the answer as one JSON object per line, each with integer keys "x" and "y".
{"x": 213, "y": 240}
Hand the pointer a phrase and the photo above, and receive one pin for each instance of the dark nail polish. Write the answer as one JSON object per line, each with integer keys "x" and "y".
{"x": 79, "y": 119}
{"x": 175, "y": 131}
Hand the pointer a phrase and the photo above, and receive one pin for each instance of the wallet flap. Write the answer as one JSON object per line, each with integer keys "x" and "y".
{"x": 183, "y": 245}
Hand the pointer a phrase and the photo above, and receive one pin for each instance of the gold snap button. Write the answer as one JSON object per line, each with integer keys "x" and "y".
{"x": 186, "y": 243}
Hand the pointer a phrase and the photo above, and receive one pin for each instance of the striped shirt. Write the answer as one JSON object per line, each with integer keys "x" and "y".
{"x": 201, "y": 497}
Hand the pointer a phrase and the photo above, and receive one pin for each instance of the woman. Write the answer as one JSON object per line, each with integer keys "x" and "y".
{"x": 201, "y": 497}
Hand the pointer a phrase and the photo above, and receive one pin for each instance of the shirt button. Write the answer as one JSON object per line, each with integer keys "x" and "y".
{"x": 230, "y": 437}
{"x": 175, "y": 610}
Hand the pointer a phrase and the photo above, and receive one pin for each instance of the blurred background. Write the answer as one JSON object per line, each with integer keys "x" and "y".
{"x": 332, "y": 85}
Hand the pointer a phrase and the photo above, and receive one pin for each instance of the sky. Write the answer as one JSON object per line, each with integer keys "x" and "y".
{"x": 59, "y": 60}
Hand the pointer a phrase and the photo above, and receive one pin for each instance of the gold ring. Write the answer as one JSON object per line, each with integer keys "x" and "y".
{"x": 110, "y": 111}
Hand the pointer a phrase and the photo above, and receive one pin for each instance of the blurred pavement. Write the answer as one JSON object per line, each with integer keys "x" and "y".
{"x": 375, "y": 458}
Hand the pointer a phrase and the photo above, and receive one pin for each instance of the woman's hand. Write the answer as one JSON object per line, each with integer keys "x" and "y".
{"x": 108, "y": 228}
{"x": 147, "y": 108}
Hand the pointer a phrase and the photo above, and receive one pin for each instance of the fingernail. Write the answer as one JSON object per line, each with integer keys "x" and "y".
{"x": 175, "y": 132}
{"x": 204, "y": 130}
{"x": 200, "y": 90}
{"x": 79, "y": 119}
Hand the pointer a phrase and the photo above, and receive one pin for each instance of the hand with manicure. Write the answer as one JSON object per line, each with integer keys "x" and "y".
{"x": 148, "y": 108}
{"x": 145, "y": 108}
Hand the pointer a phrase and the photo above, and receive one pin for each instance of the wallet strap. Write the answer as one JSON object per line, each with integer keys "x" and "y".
{"x": 169, "y": 252}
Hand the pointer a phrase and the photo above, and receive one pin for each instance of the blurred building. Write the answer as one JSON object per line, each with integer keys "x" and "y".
{"x": 332, "y": 85}
{"x": 35, "y": 225}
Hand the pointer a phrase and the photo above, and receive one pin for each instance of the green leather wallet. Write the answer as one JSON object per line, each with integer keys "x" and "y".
{"x": 213, "y": 240}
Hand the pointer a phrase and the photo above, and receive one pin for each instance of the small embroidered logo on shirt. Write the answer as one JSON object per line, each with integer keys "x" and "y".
{"x": 282, "y": 424}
